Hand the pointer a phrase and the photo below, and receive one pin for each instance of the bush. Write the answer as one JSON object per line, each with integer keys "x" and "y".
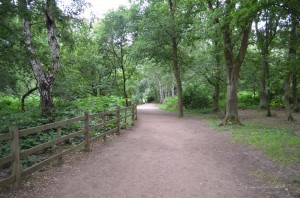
{"x": 246, "y": 100}
{"x": 9, "y": 103}
{"x": 277, "y": 102}
{"x": 170, "y": 104}
{"x": 195, "y": 97}
{"x": 97, "y": 104}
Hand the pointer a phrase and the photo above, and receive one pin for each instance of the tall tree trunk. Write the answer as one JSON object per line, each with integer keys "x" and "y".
{"x": 295, "y": 94}
{"x": 263, "y": 103}
{"x": 46, "y": 100}
{"x": 265, "y": 37}
{"x": 161, "y": 92}
{"x": 216, "y": 97}
{"x": 176, "y": 69}
{"x": 217, "y": 80}
{"x": 231, "y": 116}
{"x": 287, "y": 91}
{"x": 233, "y": 68}
{"x": 45, "y": 78}
{"x": 173, "y": 90}
{"x": 291, "y": 69}
{"x": 123, "y": 74}
{"x": 124, "y": 86}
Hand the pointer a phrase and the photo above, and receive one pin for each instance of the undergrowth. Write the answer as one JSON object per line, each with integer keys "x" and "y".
{"x": 10, "y": 114}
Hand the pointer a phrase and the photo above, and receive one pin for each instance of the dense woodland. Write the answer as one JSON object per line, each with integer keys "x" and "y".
{"x": 213, "y": 54}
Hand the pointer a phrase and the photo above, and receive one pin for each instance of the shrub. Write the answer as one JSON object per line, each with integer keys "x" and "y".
{"x": 195, "y": 97}
{"x": 170, "y": 103}
{"x": 246, "y": 100}
{"x": 9, "y": 103}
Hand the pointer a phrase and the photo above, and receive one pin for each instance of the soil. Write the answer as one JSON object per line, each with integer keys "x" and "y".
{"x": 161, "y": 156}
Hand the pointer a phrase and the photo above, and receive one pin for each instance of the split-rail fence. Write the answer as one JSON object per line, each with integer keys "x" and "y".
{"x": 116, "y": 119}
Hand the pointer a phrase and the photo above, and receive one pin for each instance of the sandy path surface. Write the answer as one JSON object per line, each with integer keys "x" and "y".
{"x": 163, "y": 156}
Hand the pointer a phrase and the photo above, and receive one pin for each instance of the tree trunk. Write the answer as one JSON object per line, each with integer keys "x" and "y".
{"x": 45, "y": 78}
{"x": 232, "y": 116}
{"x": 176, "y": 69}
{"x": 233, "y": 70}
{"x": 24, "y": 97}
{"x": 124, "y": 88}
{"x": 46, "y": 100}
{"x": 291, "y": 69}
{"x": 263, "y": 103}
{"x": 295, "y": 94}
{"x": 173, "y": 90}
{"x": 287, "y": 91}
{"x": 161, "y": 92}
{"x": 216, "y": 97}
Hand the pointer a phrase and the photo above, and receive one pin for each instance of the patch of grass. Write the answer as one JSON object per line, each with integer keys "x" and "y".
{"x": 279, "y": 144}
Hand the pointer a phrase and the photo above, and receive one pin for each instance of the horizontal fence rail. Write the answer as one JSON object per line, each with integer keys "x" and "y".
{"x": 108, "y": 122}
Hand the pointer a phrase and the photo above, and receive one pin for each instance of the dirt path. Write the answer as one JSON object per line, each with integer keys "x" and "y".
{"x": 163, "y": 156}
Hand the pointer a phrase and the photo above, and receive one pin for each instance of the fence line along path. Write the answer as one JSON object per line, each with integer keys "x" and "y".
{"x": 84, "y": 130}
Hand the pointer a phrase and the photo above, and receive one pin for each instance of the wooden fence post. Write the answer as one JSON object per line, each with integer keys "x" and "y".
{"x": 105, "y": 118}
{"x": 59, "y": 145}
{"x": 118, "y": 121}
{"x": 15, "y": 151}
{"x": 132, "y": 116}
{"x": 87, "y": 131}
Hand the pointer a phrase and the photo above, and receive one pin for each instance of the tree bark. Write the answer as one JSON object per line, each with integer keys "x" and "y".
{"x": 176, "y": 69}
{"x": 295, "y": 94}
{"x": 263, "y": 103}
{"x": 161, "y": 92}
{"x": 287, "y": 91}
{"x": 233, "y": 67}
{"x": 173, "y": 90}
{"x": 291, "y": 69}
{"x": 264, "y": 40}
{"x": 216, "y": 97}
{"x": 45, "y": 78}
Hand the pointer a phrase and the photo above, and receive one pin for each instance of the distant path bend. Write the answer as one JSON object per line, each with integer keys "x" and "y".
{"x": 163, "y": 156}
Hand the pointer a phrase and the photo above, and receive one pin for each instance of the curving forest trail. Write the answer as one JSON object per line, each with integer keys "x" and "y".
{"x": 163, "y": 156}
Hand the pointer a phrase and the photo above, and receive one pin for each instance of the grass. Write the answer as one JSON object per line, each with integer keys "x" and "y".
{"x": 278, "y": 144}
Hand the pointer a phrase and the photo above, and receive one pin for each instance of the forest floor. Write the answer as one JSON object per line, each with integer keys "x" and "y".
{"x": 278, "y": 118}
{"x": 161, "y": 156}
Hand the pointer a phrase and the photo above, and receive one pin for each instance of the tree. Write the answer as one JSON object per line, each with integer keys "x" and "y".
{"x": 115, "y": 44}
{"x": 265, "y": 36}
{"x": 45, "y": 75}
{"x": 292, "y": 64}
{"x": 165, "y": 26}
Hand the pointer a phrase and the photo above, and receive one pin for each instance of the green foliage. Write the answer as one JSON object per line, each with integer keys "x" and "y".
{"x": 170, "y": 104}
{"x": 277, "y": 102}
{"x": 9, "y": 103}
{"x": 195, "y": 97}
{"x": 97, "y": 104}
{"x": 247, "y": 100}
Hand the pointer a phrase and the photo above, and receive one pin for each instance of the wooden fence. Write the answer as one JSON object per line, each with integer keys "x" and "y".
{"x": 117, "y": 119}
